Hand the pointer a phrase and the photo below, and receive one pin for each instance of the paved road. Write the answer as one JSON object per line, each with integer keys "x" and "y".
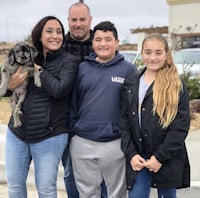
{"x": 32, "y": 193}
{"x": 192, "y": 192}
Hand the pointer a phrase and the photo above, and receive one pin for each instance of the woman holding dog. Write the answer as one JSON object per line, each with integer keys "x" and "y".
{"x": 43, "y": 135}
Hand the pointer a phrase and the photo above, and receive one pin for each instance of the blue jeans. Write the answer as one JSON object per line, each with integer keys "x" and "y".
{"x": 69, "y": 180}
{"x": 142, "y": 187}
{"x": 46, "y": 156}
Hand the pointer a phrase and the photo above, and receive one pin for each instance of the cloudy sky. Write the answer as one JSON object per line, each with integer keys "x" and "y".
{"x": 18, "y": 17}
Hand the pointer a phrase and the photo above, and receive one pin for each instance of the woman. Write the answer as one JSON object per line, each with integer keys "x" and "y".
{"x": 43, "y": 134}
{"x": 154, "y": 123}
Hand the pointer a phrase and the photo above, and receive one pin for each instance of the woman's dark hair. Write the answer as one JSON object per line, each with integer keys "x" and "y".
{"x": 37, "y": 31}
{"x": 105, "y": 26}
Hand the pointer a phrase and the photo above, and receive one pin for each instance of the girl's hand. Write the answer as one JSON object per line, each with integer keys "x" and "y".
{"x": 137, "y": 162}
{"x": 153, "y": 164}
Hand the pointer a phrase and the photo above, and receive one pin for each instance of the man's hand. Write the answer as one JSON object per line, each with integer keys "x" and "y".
{"x": 17, "y": 79}
{"x": 137, "y": 162}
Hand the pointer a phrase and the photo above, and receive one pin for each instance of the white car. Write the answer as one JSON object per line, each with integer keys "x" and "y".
{"x": 134, "y": 57}
{"x": 130, "y": 55}
{"x": 188, "y": 60}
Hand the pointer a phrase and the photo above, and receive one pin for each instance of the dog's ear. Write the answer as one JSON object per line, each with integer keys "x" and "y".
{"x": 33, "y": 52}
{"x": 11, "y": 56}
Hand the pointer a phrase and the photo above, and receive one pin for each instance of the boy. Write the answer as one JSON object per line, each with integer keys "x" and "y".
{"x": 95, "y": 148}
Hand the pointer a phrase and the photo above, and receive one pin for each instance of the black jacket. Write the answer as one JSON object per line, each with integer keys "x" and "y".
{"x": 167, "y": 145}
{"x": 77, "y": 48}
{"x": 45, "y": 110}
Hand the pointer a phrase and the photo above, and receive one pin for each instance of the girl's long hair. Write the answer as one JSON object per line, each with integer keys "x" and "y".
{"x": 167, "y": 87}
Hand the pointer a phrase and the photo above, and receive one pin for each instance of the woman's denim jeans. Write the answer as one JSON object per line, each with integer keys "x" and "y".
{"x": 46, "y": 156}
{"x": 142, "y": 187}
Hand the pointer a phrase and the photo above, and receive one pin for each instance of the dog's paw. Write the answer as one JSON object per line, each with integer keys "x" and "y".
{"x": 17, "y": 122}
{"x": 2, "y": 92}
{"x": 20, "y": 113}
{"x": 37, "y": 82}
{"x": 16, "y": 116}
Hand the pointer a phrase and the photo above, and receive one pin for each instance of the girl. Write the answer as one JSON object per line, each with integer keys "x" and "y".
{"x": 154, "y": 123}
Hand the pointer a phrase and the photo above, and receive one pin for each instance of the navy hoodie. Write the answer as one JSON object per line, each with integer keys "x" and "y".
{"x": 96, "y": 99}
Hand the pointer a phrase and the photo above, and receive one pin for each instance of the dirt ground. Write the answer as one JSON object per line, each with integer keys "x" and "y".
{"x": 5, "y": 113}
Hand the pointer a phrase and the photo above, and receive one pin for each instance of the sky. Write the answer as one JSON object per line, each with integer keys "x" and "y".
{"x": 18, "y": 17}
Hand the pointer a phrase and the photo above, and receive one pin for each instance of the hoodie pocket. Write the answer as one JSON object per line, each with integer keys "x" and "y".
{"x": 95, "y": 130}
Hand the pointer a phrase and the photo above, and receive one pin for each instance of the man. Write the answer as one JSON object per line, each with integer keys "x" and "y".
{"x": 78, "y": 42}
{"x": 78, "y": 39}
{"x": 95, "y": 148}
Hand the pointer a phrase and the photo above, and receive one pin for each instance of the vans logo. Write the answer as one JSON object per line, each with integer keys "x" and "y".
{"x": 117, "y": 79}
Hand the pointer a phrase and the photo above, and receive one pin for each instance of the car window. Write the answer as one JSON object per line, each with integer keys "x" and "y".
{"x": 129, "y": 55}
{"x": 134, "y": 57}
{"x": 188, "y": 60}
{"x": 187, "y": 57}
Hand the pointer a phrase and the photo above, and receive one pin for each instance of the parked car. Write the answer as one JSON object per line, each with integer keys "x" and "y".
{"x": 133, "y": 56}
{"x": 188, "y": 60}
{"x": 130, "y": 55}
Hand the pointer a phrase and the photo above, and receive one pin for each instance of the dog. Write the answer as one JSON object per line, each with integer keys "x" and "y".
{"x": 22, "y": 54}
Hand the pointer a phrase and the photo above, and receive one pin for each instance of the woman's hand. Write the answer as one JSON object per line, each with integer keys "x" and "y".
{"x": 17, "y": 79}
{"x": 137, "y": 162}
{"x": 153, "y": 164}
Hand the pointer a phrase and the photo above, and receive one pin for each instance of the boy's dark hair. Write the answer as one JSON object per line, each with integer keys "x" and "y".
{"x": 105, "y": 26}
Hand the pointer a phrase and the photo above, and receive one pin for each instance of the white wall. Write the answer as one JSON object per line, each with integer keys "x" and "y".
{"x": 141, "y": 37}
{"x": 184, "y": 15}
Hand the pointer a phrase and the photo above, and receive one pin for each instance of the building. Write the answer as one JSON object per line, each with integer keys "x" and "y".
{"x": 184, "y": 25}
{"x": 143, "y": 32}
